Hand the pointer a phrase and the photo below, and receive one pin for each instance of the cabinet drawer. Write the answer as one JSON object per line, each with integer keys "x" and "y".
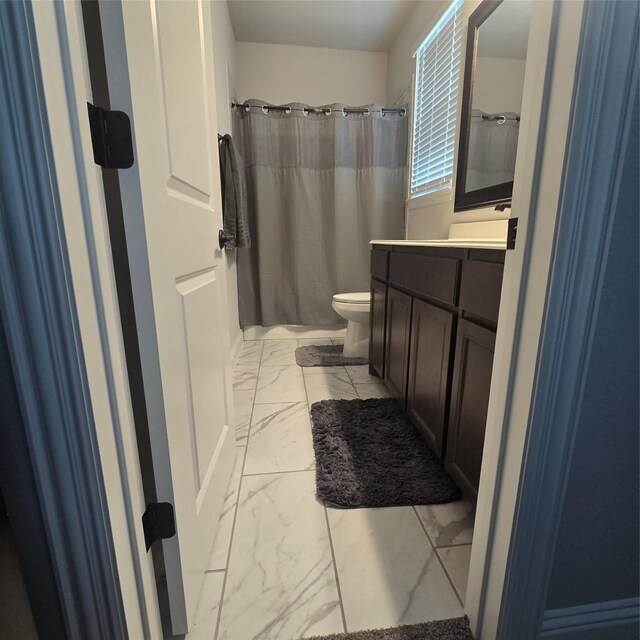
{"x": 380, "y": 264}
{"x": 480, "y": 288}
{"x": 425, "y": 275}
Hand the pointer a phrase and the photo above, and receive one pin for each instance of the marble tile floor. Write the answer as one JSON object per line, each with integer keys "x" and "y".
{"x": 285, "y": 567}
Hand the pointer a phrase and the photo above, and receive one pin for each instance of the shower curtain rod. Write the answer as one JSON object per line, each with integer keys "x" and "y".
{"x": 497, "y": 118}
{"x": 326, "y": 110}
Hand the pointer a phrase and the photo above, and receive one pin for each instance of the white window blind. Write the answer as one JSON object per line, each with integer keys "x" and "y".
{"x": 436, "y": 99}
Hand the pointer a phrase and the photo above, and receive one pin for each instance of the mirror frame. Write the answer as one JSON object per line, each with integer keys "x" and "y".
{"x": 498, "y": 193}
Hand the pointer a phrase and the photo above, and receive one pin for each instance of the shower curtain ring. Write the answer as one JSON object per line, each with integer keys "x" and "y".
{"x": 327, "y": 111}
{"x": 344, "y": 112}
{"x": 287, "y": 110}
{"x": 501, "y": 119}
{"x": 366, "y": 111}
{"x": 265, "y": 109}
{"x": 403, "y": 112}
{"x": 305, "y": 111}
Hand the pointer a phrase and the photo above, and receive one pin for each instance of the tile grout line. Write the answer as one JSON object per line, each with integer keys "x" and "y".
{"x": 276, "y": 473}
{"x": 435, "y": 551}
{"x": 326, "y": 518}
{"x": 235, "y": 510}
{"x": 335, "y": 570}
{"x": 454, "y": 546}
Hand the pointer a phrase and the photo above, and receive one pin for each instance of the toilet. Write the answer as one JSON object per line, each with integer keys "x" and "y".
{"x": 354, "y": 307}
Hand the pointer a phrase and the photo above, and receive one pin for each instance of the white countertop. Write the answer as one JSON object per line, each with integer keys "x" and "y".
{"x": 485, "y": 243}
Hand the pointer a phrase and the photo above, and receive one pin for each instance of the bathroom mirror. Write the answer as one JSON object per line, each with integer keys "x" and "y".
{"x": 495, "y": 57}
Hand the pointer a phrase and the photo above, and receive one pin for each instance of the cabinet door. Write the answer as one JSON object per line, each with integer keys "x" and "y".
{"x": 469, "y": 403}
{"x": 397, "y": 343}
{"x": 378, "y": 317}
{"x": 429, "y": 358}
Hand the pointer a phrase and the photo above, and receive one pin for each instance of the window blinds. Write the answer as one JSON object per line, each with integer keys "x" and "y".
{"x": 438, "y": 63}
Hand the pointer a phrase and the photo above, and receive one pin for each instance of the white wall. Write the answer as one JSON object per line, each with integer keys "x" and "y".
{"x": 498, "y": 85}
{"x": 428, "y": 220}
{"x": 224, "y": 71}
{"x": 280, "y": 73}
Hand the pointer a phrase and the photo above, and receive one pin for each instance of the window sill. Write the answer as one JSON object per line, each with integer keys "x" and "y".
{"x": 428, "y": 199}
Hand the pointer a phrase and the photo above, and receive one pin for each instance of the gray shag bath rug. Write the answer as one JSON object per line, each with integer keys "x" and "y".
{"x": 451, "y": 629}
{"x": 329, "y": 355}
{"x": 369, "y": 455}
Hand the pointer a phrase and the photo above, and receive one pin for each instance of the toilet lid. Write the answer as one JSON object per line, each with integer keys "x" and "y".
{"x": 363, "y": 297}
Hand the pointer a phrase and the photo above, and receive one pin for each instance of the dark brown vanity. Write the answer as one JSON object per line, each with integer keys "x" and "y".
{"x": 434, "y": 312}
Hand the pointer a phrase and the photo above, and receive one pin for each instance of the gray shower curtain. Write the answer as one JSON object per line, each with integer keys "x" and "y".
{"x": 319, "y": 187}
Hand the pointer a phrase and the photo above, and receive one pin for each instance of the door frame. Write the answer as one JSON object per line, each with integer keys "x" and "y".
{"x": 90, "y": 342}
{"x": 554, "y": 42}
{"x": 552, "y": 283}
{"x": 60, "y": 59}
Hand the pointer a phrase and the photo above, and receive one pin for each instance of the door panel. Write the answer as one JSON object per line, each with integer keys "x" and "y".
{"x": 469, "y": 404}
{"x": 429, "y": 358}
{"x": 172, "y": 215}
{"x": 180, "y": 45}
{"x": 205, "y": 384}
{"x": 378, "y": 313}
{"x": 397, "y": 343}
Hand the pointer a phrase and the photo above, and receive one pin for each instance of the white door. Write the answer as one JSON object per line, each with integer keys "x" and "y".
{"x": 172, "y": 215}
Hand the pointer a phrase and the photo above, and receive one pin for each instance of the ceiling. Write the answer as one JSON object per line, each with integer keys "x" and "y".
{"x": 359, "y": 25}
{"x": 504, "y": 34}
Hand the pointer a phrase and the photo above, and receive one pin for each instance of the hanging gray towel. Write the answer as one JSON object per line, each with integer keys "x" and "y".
{"x": 234, "y": 194}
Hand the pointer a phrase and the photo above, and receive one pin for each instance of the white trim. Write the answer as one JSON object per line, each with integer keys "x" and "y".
{"x": 591, "y": 616}
{"x": 421, "y": 200}
{"x": 235, "y": 348}
{"x": 549, "y": 78}
{"x": 63, "y": 60}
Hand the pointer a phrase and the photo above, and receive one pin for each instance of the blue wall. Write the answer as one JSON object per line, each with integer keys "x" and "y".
{"x": 596, "y": 557}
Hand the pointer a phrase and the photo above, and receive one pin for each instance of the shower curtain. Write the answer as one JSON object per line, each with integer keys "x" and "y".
{"x": 492, "y": 149}
{"x": 320, "y": 186}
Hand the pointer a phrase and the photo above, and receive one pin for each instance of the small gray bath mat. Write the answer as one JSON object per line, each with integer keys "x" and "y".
{"x": 451, "y": 629}
{"x": 369, "y": 455}
{"x": 329, "y": 355}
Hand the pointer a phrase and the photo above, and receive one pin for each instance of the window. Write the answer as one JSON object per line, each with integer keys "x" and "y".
{"x": 438, "y": 63}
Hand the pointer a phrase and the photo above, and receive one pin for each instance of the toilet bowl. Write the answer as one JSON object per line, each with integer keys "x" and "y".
{"x": 354, "y": 307}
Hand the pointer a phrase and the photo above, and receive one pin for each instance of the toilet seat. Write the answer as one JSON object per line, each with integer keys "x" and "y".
{"x": 360, "y": 297}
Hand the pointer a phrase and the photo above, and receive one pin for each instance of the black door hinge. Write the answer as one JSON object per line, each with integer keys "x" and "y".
{"x": 512, "y": 231}
{"x": 111, "y": 138}
{"x": 158, "y": 522}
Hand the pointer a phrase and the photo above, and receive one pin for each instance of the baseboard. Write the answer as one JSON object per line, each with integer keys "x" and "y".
{"x": 618, "y": 619}
{"x": 235, "y": 348}
{"x": 288, "y": 331}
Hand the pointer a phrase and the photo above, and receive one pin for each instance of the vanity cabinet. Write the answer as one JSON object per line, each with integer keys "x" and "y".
{"x": 433, "y": 322}
{"x": 398, "y": 326}
{"x": 469, "y": 404}
{"x": 378, "y": 319}
{"x": 429, "y": 363}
